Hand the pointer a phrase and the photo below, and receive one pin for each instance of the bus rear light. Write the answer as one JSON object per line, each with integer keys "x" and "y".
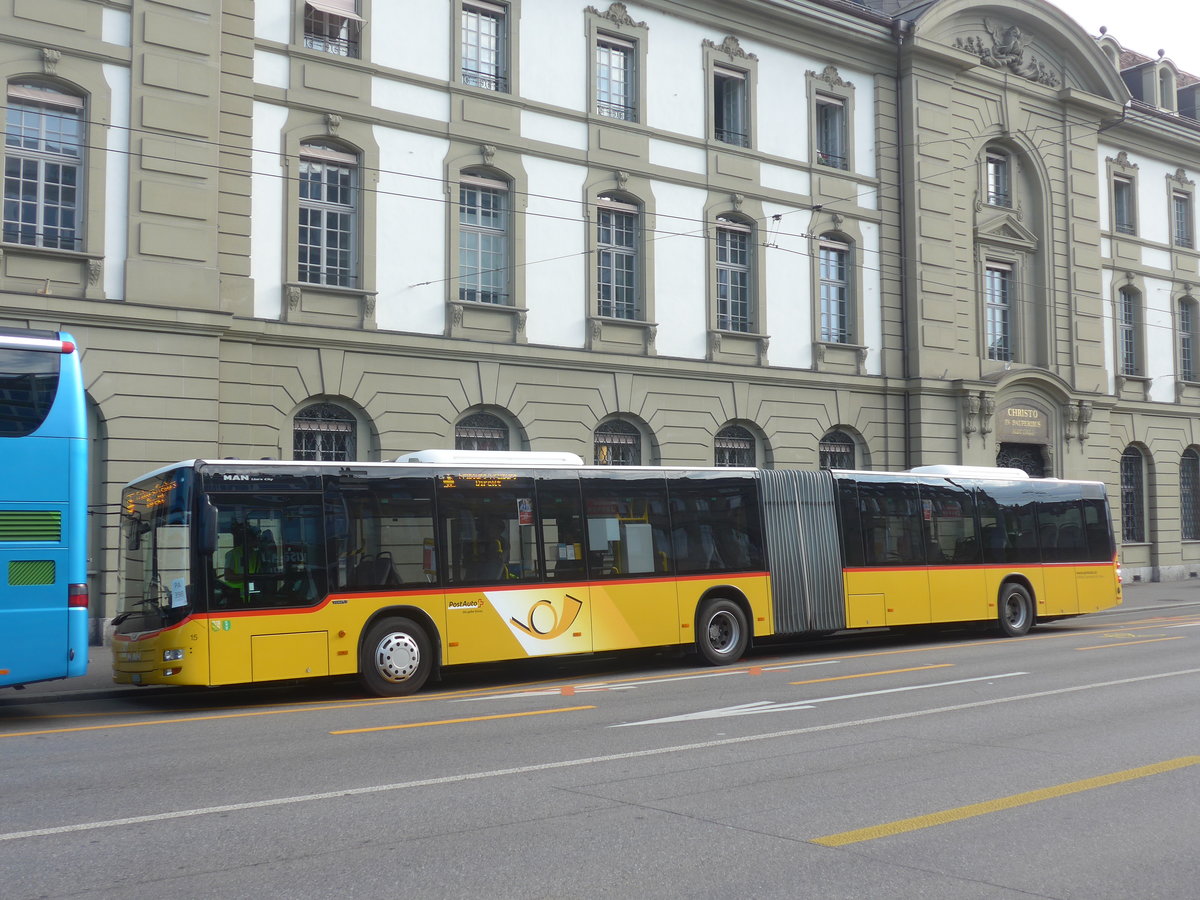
{"x": 77, "y": 596}
{"x": 68, "y": 347}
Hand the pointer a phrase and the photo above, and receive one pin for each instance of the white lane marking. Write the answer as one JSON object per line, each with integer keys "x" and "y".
{"x": 1186, "y": 625}
{"x": 766, "y": 706}
{"x": 463, "y": 778}
{"x": 610, "y": 686}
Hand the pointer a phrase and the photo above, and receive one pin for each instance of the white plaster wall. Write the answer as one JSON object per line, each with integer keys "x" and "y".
{"x": 399, "y": 96}
{"x": 782, "y": 104}
{"x": 787, "y": 270}
{"x": 680, "y": 264}
{"x": 267, "y": 185}
{"x": 556, "y": 286}
{"x": 413, "y": 37}
{"x": 553, "y": 130}
{"x": 1160, "y": 340}
{"x": 675, "y": 72}
{"x": 273, "y": 20}
{"x": 869, "y": 265}
{"x": 555, "y": 55}
{"x": 116, "y": 183}
{"x": 410, "y": 244}
{"x": 862, "y": 153}
{"x": 1153, "y": 197}
{"x": 678, "y": 156}
{"x": 272, "y": 69}
{"x": 115, "y": 27}
{"x": 780, "y": 178}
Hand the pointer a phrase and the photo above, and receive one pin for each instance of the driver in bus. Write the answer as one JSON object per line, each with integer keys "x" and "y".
{"x": 245, "y": 558}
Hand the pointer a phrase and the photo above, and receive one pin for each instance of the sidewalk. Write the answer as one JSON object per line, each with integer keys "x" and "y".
{"x": 1158, "y": 596}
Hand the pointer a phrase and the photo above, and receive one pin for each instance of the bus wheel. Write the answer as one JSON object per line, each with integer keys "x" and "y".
{"x": 396, "y": 658}
{"x": 721, "y": 632}
{"x": 1016, "y": 610}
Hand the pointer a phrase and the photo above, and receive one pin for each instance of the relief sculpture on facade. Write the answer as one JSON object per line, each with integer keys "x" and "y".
{"x": 1008, "y": 52}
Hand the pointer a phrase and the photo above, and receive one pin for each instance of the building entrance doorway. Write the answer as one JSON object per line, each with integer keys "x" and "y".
{"x": 1029, "y": 458}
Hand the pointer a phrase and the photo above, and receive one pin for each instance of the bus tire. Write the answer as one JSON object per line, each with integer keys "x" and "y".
{"x": 396, "y": 658}
{"x": 1015, "y": 610}
{"x": 722, "y": 632}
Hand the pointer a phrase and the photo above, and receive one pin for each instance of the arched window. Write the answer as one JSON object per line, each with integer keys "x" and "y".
{"x": 999, "y": 178}
{"x": 734, "y": 446}
{"x": 1189, "y": 494}
{"x": 618, "y": 238}
{"x": 1166, "y": 89}
{"x": 483, "y": 229}
{"x": 43, "y": 167}
{"x": 328, "y": 215}
{"x": 481, "y": 431}
{"x": 735, "y": 273}
{"x": 1133, "y": 496}
{"x": 836, "y": 451}
{"x": 324, "y": 432}
{"x": 618, "y": 443}
{"x": 837, "y": 319}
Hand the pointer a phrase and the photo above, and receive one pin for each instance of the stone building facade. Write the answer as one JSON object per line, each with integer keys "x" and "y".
{"x": 713, "y": 232}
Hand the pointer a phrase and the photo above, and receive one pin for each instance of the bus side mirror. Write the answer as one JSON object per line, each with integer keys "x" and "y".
{"x": 208, "y": 527}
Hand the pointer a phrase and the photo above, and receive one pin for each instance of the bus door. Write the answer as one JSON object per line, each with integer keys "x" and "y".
{"x": 268, "y": 576}
{"x": 957, "y": 585}
{"x": 499, "y": 577}
{"x": 627, "y": 541}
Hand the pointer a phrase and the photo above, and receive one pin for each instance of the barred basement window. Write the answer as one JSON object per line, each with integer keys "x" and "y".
{"x": 618, "y": 443}
{"x": 1133, "y": 510}
{"x": 323, "y": 432}
{"x": 734, "y": 446}
{"x": 481, "y": 431}
{"x": 1189, "y": 494}
{"x": 836, "y": 451}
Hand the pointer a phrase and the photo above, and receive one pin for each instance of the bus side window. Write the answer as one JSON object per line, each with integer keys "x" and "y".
{"x": 628, "y": 528}
{"x": 563, "y": 541}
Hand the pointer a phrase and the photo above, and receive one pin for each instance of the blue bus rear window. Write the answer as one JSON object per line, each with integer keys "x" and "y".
{"x": 28, "y": 384}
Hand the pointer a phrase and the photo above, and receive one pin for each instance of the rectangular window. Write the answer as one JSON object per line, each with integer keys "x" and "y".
{"x": 1133, "y": 515}
{"x": 714, "y": 525}
{"x": 831, "y": 133}
{"x": 998, "y": 184}
{"x": 1189, "y": 494}
{"x": 383, "y": 531}
{"x": 731, "y": 109}
{"x": 1187, "y": 341}
{"x": 483, "y": 241}
{"x": 488, "y": 531}
{"x": 891, "y": 524}
{"x": 327, "y": 216}
{"x": 1124, "y": 206}
{"x": 332, "y": 26}
{"x": 616, "y": 78}
{"x": 616, "y": 262}
{"x": 1128, "y": 327}
{"x": 485, "y": 46}
{"x": 733, "y": 279}
{"x": 42, "y": 168}
{"x": 270, "y": 551}
{"x": 835, "y": 292}
{"x": 997, "y": 289}
{"x": 628, "y": 528}
{"x": 1181, "y": 216}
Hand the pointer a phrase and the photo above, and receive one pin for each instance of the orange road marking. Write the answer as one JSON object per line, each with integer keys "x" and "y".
{"x": 871, "y": 674}
{"x": 537, "y": 712}
{"x": 1131, "y": 643}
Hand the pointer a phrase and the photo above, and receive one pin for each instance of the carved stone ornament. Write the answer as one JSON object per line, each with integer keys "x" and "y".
{"x": 1085, "y": 419}
{"x": 1008, "y": 51}
{"x": 618, "y": 15}
{"x": 456, "y": 315}
{"x": 369, "y": 305}
{"x": 714, "y": 341}
{"x": 737, "y": 200}
{"x": 830, "y": 76}
{"x": 622, "y": 180}
{"x": 597, "y": 329}
{"x": 731, "y": 47}
{"x": 332, "y": 123}
{"x": 488, "y": 152}
{"x": 1122, "y": 160}
{"x": 293, "y": 299}
{"x": 522, "y": 316}
{"x": 651, "y": 336}
{"x": 861, "y": 353}
{"x": 986, "y": 413}
{"x": 95, "y": 267}
{"x": 50, "y": 58}
{"x": 970, "y": 413}
{"x": 1180, "y": 177}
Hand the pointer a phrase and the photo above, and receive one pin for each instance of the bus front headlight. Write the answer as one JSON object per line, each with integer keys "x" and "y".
{"x": 172, "y": 655}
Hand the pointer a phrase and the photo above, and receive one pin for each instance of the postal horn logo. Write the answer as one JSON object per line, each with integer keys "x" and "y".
{"x": 547, "y": 621}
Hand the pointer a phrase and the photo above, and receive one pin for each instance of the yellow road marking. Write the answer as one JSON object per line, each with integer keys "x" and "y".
{"x": 1131, "y": 643}
{"x": 536, "y": 712}
{"x": 990, "y": 806}
{"x": 871, "y": 674}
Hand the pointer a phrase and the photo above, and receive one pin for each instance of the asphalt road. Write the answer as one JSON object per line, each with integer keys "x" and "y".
{"x": 961, "y": 765}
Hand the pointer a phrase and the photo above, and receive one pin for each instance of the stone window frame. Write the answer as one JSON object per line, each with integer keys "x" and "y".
{"x": 825, "y": 86}
{"x": 647, "y": 454}
{"x": 1138, "y": 493}
{"x": 1181, "y": 187}
{"x": 305, "y": 127}
{"x": 83, "y": 78}
{"x": 512, "y": 431}
{"x": 1133, "y": 282}
{"x": 508, "y": 319}
{"x": 850, "y": 437}
{"x": 1129, "y": 318}
{"x": 990, "y": 258}
{"x": 498, "y": 183}
{"x": 726, "y": 432}
{"x": 1011, "y": 163}
{"x": 1121, "y": 169}
{"x": 1189, "y": 495}
{"x": 332, "y": 154}
{"x": 361, "y": 15}
{"x": 511, "y": 48}
{"x": 1186, "y": 374}
{"x": 736, "y": 346}
{"x": 729, "y": 56}
{"x": 609, "y": 333}
{"x": 616, "y": 23}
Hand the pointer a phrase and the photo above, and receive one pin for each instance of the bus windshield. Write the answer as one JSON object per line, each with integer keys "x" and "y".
{"x": 155, "y": 578}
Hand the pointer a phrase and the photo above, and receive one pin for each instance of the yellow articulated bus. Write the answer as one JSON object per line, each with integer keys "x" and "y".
{"x": 238, "y": 572}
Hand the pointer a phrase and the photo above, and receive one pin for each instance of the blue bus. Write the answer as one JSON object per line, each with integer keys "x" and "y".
{"x": 43, "y": 508}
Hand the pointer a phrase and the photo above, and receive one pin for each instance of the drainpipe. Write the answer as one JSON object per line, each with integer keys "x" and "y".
{"x": 901, "y": 28}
